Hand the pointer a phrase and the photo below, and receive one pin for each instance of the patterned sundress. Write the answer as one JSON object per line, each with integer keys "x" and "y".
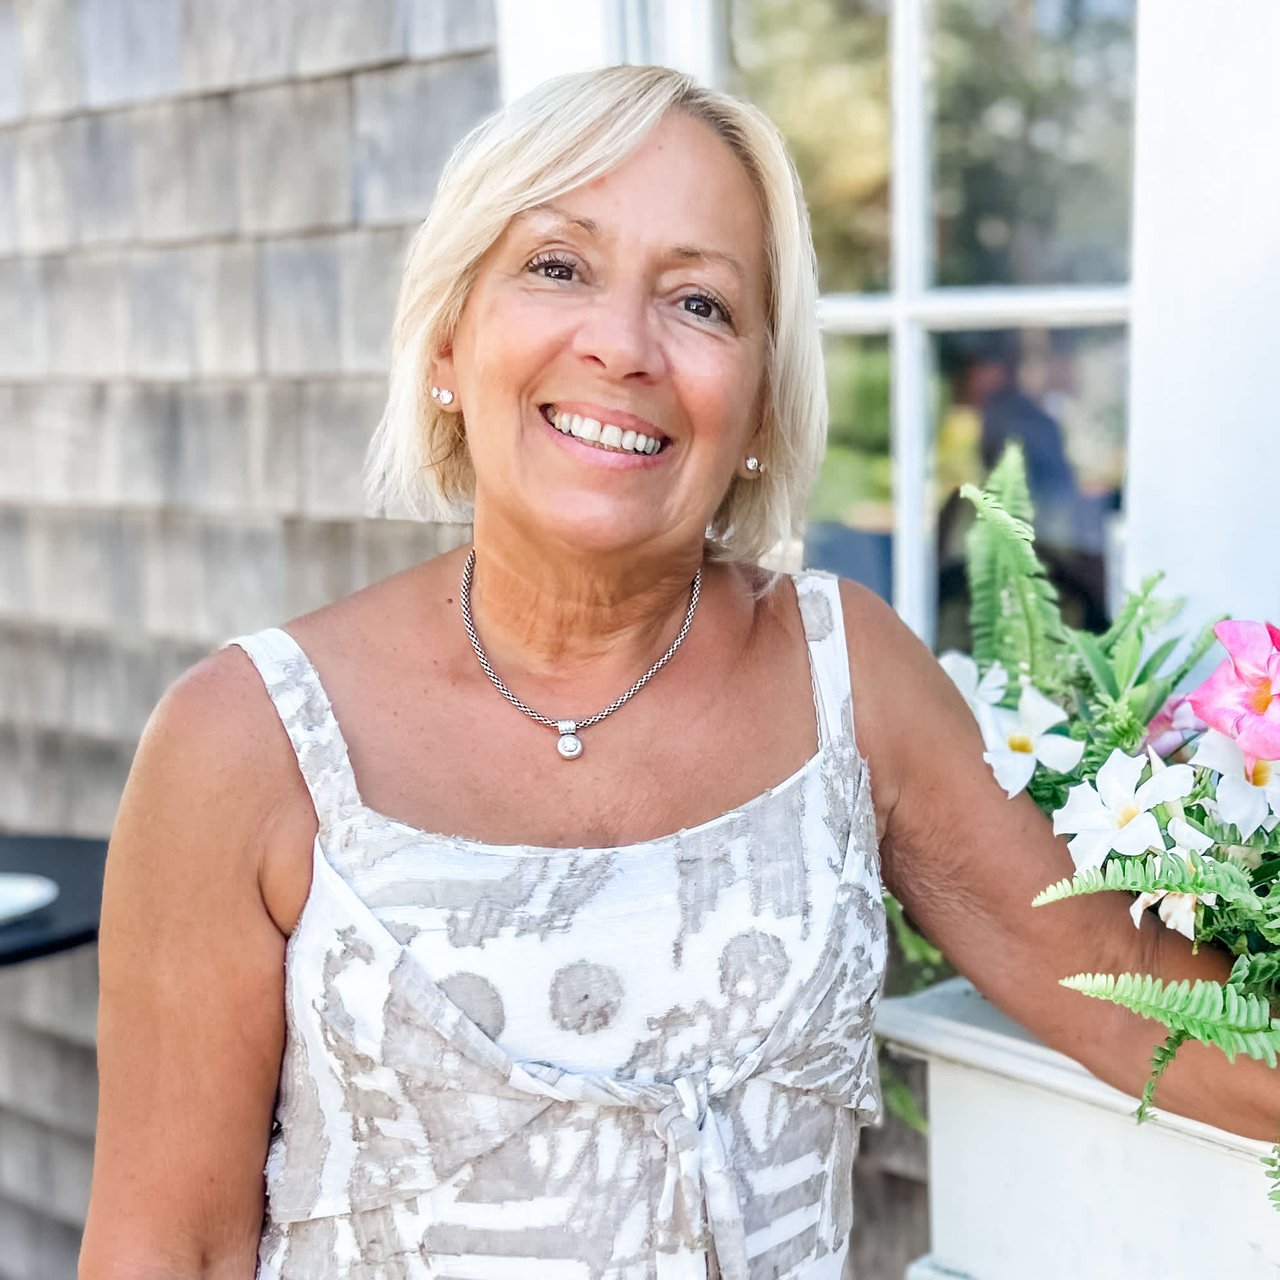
{"x": 646, "y": 1062}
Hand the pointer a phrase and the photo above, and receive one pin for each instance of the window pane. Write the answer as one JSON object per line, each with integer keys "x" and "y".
{"x": 1061, "y": 394}
{"x": 1032, "y": 140}
{"x": 819, "y": 69}
{"x": 850, "y": 529}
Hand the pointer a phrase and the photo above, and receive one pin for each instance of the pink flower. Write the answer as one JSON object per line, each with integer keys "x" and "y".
{"x": 1242, "y": 697}
{"x": 1172, "y": 725}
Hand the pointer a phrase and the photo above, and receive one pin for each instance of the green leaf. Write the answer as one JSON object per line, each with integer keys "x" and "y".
{"x": 1160, "y": 1060}
{"x": 1271, "y": 1163}
{"x": 901, "y": 1102}
{"x": 1141, "y": 612}
{"x": 1206, "y": 1011}
{"x": 1256, "y": 972}
{"x": 916, "y": 948}
{"x": 1147, "y": 698}
{"x": 1014, "y": 615}
{"x": 1095, "y": 661}
{"x": 1157, "y": 660}
{"x": 1202, "y": 644}
{"x": 1125, "y": 658}
{"x": 1162, "y": 871}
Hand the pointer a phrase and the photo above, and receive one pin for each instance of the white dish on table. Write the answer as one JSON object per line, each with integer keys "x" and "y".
{"x": 21, "y": 894}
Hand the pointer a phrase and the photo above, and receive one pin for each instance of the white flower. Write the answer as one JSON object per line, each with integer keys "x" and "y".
{"x": 1016, "y": 740}
{"x": 963, "y": 670}
{"x": 1177, "y": 910}
{"x": 1244, "y": 796}
{"x": 1117, "y": 815}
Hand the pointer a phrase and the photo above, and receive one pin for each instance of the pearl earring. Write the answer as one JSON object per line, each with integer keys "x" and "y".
{"x": 443, "y": 395}
{"x": 754, "y": 465}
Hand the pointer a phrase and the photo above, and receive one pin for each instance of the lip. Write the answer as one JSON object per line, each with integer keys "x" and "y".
{"x": 618, "y": 417}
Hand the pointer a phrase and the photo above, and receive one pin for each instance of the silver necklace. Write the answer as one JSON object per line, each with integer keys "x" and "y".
{"x": 569, "y": 744}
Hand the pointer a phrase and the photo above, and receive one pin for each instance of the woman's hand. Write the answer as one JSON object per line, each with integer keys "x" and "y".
{"x": 190, "y": 1025}
{"x": 965, "y": 861}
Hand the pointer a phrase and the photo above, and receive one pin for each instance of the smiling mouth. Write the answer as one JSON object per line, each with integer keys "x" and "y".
{"x": 603, "y": 435}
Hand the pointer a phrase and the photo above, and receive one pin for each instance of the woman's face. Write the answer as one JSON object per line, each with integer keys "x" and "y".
{"x": 631, "y": 307}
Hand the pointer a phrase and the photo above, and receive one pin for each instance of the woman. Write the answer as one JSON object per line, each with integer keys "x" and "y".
{"x": 557, "y": 1039}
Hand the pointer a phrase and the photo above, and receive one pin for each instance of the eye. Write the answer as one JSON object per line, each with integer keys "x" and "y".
{"x": 705, "y": 307}
{"x": 551, "y": 266}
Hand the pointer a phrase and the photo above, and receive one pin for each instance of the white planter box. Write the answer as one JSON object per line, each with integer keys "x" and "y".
{"x": 1031, "y": 1159}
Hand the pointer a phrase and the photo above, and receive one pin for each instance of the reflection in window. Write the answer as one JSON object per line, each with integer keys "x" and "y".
{"x": 850, "y": 529}
{"x": 819, "y": 69}
{"x": 1032, "y": 134}
{"x": 1061, "y": 394}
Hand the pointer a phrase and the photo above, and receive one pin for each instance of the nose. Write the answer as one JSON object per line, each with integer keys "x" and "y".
{"x": 618, "y": 333}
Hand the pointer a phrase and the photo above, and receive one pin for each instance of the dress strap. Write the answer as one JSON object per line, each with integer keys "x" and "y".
{"x": 823, "y": 617}
{"x": 303, "y": 706}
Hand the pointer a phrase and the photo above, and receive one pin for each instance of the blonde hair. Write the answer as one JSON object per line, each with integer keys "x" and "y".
{"x": 564, "y": 134}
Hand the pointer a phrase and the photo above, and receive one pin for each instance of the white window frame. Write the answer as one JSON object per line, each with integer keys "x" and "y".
{"x": 691, "y": 35}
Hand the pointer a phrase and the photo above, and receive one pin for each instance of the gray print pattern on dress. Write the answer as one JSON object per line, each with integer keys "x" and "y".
{"x": 733, "y": 971}
{"x": 816, "y": 614}
{"x": 474, "y": 924}
{"x": 585, "y": 877}
{"x": 777, "y": 861}
{"x": 296, "y": 1153}
{"x": 752, "y": 966}
{"x": 704, "y": 866}
{"x": 478, "y": 998}
{"x": 585, "y": 997}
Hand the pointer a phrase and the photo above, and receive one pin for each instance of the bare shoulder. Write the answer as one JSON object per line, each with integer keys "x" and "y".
{"x": 215, "y": 772}
{"x": 216, "y": 731}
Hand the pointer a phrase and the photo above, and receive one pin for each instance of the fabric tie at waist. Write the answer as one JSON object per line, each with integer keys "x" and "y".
{"x": 699, "y": 1202}
{"x": 698, "y": 1182}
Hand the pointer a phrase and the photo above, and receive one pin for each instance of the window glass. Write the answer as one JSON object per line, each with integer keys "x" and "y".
{"x": 1061, "y": 394}
{"x": 850, "y": 529}
{"x": 1032, "y": 127}
{"x": 819, "y": 69}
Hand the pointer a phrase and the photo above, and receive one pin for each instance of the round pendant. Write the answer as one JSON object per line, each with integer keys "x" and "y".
{"x": 569, "y": 746}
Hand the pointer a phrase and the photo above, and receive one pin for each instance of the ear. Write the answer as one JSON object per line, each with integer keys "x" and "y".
{"x": 442, "y": 373}
{"x": 752, "y": 450}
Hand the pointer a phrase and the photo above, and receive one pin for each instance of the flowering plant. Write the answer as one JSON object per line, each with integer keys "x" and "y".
{"x": 1168, "y": 794}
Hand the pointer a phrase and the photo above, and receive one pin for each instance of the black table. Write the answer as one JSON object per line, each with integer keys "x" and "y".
{"x": 72, "y": 918}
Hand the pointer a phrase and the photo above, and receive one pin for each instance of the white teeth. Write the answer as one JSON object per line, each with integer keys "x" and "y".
{"x": 604, "y": 434}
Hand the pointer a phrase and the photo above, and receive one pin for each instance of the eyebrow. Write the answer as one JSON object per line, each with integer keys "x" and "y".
{"x": 589, "y": 225}
{"x": 680, "y": 252}
{"x": 690, "y": 253}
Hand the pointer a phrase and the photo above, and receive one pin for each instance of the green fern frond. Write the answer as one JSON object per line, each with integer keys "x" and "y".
{"x": 1206, "y": 1011}
{"x": 1161, "y": 872}
{"x": 1007, "y": 483}
{"x": 1014, "y": 613}
{"x": 1160, "y": 1060}
{"x": 1271, "y": 1163}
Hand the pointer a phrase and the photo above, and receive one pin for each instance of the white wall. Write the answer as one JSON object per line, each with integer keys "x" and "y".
{"x": 1204, "y": 485}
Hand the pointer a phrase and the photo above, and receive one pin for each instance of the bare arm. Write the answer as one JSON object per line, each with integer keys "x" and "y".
{"x": 190, "y": 1023}
{"x": 965, "y": 861}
